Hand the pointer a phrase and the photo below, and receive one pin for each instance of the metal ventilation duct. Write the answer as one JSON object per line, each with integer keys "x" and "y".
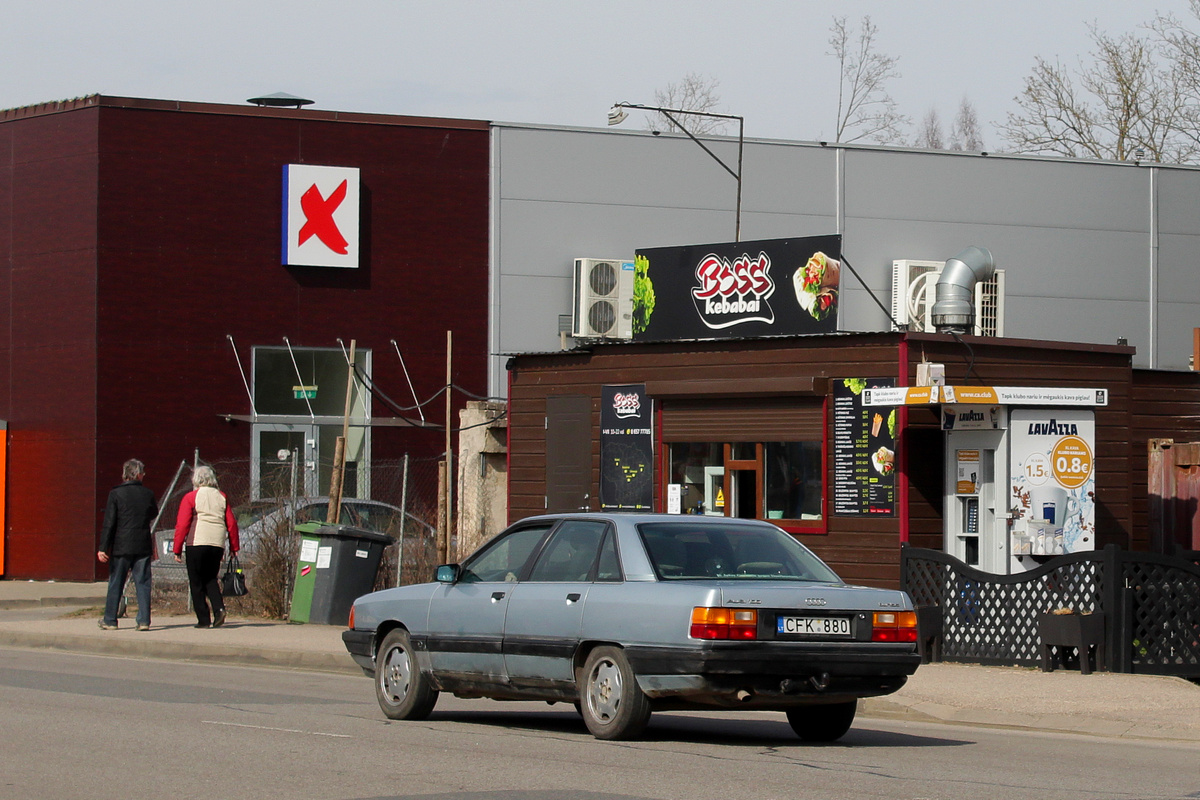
{"x": 954, "y": 296}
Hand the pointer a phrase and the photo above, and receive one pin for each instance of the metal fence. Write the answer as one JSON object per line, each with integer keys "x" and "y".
{"x": 1150, "y": 603}
{"x": 402, "y": 504}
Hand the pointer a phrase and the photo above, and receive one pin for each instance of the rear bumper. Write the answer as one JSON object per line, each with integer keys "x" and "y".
{"x": 361, "y": 646}
{"x": 770, "y": 674}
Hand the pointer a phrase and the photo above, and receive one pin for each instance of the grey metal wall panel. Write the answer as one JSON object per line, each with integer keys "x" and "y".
{"x": 1179, "y": 269}
{"x": 1056, "y": 319}
{"x": 603, "y": 167}
{"x": 940, "y": 187}
{"x": 1054, "y": 262}
{"x": 1077, "y": 239}
{"x": 1178, "y": 192}
{"x": 531, "y": 305}
{"x": 1174, "y": 329}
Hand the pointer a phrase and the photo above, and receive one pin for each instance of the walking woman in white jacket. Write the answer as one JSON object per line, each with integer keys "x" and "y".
{"x": 205, "y": 519}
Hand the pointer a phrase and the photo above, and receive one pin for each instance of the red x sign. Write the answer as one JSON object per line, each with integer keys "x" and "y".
{"x": 321, "y": 216}
{"x": 318, "y": 213}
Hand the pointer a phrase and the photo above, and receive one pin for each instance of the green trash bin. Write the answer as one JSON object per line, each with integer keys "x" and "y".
{"x": 336, "y": 566}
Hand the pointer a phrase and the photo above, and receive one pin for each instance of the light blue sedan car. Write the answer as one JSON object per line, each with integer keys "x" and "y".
{"x": 625, "y": 614}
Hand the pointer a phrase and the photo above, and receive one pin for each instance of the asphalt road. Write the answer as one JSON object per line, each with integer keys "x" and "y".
{"x": 76, "y": 726}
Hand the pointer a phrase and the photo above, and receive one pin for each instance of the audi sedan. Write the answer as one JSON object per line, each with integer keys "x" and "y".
{"x": 626, "y": 614}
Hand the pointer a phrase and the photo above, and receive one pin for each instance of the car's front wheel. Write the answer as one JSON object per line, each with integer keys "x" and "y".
{"x": 401, "y": 688}
{"x": 612, "y": 704}
{"x": 823, "y": 723}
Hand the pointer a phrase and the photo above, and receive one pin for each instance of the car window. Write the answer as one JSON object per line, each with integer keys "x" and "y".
{"x": 252, "y": 512}
{"x": 317, "y": 512}
{"x": 571, "y": 552}
{"x": 683, "y": 551}
{"x": 505, "y": 557}
{"x": 609, "y": 568}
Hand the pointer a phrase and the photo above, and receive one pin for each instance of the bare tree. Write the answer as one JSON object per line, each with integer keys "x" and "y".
{"x": 929, "y": 134}
{"x": 965, "y": 133}
{"x": 694, "y": 92}
{"x": 1180, "y": 47}
{"x": 1130, "y": 101}
{"x": 865, "y": 109}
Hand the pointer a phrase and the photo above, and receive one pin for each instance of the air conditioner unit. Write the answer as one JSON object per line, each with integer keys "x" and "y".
{"x": 602, "y": 307}
{"x": 913, "y": 294}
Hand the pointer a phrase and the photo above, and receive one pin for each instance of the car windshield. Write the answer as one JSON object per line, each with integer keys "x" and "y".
{"x": 683, "y": 551}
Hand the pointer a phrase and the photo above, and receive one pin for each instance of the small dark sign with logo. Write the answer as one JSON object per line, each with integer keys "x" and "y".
{"x": 626, "y": 449}
{"x": 770, "y": 287}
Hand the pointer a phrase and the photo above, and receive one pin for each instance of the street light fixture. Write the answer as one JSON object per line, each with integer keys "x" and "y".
{"x": 617, "y": 115}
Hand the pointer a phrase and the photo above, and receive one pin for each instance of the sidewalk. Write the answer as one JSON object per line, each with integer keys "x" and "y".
{"x": 36, "y": 615}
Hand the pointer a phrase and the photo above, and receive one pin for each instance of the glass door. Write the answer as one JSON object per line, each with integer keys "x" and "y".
{"x": 271, "y": 460}
{"x": 743, "y": 480}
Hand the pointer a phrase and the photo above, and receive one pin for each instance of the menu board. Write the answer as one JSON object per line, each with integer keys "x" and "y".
{"x": 864, "y": 450}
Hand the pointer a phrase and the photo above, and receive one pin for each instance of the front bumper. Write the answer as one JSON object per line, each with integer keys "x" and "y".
{"x": 361, "y": 645}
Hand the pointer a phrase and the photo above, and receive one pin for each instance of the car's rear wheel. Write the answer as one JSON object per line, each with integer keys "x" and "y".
{"x": 823, "y": 723}
{"x": 612, "y": 705}
{"x": 402, "y": 689}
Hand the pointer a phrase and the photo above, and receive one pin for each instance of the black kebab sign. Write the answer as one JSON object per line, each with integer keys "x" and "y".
{"x": 770, "y": 287}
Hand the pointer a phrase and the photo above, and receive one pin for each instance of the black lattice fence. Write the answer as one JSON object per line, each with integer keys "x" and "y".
{"x": 1161, "y": 599}
{"x": 1151, "y": 605}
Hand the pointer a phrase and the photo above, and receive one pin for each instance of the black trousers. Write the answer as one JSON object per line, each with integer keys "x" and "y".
{"x": 204, "y": 570}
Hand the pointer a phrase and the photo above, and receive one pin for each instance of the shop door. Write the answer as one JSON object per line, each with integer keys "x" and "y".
{"x": 743, "y": 480}
{"x": 976, "y": 516}
{"x": 568, "y": 453}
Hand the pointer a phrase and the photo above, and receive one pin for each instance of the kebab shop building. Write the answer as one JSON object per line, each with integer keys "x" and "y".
{"x": 737, "y": 395}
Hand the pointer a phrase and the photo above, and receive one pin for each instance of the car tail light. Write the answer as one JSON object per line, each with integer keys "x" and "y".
{"x": 894, "y": 626}
{"x": 724, "y": 623}
{"x": 350, "y": 624}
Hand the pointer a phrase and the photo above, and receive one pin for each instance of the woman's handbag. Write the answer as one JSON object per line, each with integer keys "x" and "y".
{"x": 233, "y": 582}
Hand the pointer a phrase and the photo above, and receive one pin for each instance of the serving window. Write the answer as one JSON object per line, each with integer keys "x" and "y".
{"x": 756, "y": 460}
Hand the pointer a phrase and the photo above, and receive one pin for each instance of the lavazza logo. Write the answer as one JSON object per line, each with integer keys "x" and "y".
{"x": 627, "y": 404}
{"x": 1053, "y": 428}
{"x": 733, "y": 292}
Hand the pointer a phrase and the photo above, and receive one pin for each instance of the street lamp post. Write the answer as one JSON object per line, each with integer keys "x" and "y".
{"x": 617, "y": 115}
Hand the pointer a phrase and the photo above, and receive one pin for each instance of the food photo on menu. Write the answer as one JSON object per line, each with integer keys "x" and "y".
{"x": 816, "y": 285}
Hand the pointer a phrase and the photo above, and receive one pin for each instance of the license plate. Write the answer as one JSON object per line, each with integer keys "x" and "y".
{"x": 813, "y": 626}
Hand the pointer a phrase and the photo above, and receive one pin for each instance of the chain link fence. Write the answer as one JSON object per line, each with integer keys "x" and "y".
{"x": 269, "y": 499}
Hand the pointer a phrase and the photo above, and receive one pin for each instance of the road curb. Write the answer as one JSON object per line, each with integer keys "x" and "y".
{"x": 45, "y": 602}
{"x": 176, "y": 651}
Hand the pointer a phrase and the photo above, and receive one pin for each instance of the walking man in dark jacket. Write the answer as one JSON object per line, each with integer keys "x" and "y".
{"x": 126, "y": 544}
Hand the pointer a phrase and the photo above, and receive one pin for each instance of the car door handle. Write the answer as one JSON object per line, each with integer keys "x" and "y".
{"x": 496, "y": 596}
{"x": 573, "y": 597}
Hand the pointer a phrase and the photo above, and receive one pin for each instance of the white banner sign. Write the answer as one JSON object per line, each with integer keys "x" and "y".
{"x": 1053, "y": 481}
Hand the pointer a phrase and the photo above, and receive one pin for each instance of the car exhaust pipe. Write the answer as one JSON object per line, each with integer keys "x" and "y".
{"x": 820, "y": 682}
{"x": 744, "y": 695}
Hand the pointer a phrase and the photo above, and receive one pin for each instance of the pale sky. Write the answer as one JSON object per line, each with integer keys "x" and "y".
{"x": 543, "y": 61}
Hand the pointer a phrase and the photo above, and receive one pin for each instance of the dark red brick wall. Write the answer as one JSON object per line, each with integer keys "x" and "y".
{"x": 48, "y": 341}
{"x": 186, "y": 207}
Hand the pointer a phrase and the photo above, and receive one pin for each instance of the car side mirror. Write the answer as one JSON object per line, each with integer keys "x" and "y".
{"x": 447, "y": 573}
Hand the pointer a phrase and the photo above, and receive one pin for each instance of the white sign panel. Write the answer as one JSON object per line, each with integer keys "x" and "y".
{"x": 320, "y": 216}
{"x": 1024, "y": 396}
{"x": 970, "y": 418}
{"x": 1053, "y": 480}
